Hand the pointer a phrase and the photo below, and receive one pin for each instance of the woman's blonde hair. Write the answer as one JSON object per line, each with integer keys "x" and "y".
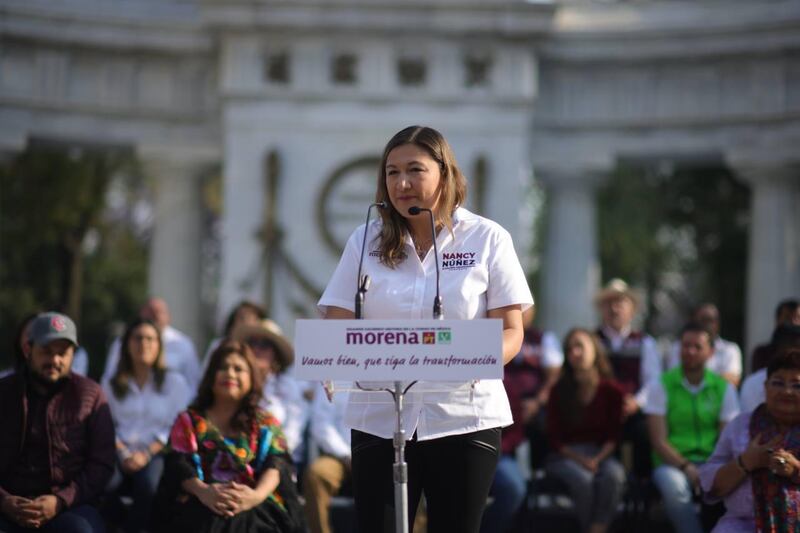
{"x": 452, "y": 190}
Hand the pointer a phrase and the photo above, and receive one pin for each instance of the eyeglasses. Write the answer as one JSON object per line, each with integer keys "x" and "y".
{"x": 780, "y": 385}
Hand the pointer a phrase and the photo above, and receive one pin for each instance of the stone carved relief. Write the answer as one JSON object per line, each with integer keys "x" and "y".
{"x": 343, "y": 201}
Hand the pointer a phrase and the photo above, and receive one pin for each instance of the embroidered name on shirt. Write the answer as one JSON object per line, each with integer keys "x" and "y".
{"x": 458, "y": 260}
{"x": 375, "y": 253}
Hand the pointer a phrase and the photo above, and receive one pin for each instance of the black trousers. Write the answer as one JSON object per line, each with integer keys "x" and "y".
{"x": 455, "y": 473}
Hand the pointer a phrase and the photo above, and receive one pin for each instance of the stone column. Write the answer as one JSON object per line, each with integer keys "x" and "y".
{"x": 175, "y": 272}
{"x": 571, "y": 266}
{"x": 773, "y": 266}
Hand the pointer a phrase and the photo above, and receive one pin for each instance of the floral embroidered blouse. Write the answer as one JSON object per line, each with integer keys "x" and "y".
{"x": 219, "y": 459}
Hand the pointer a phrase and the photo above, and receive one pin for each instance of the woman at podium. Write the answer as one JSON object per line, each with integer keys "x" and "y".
{"x": 454, "y": 437}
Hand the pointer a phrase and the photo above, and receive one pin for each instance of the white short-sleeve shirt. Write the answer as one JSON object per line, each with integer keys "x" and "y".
{"x": 479, "y": 271}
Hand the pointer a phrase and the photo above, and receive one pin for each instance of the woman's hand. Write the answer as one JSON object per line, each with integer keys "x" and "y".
{"x": 219, "y": 498}
{"x": 530, "y": 408}
{"x": 135, "y": 462}
{"x": 629, "y": 406}
{"x": 757, "y": 455}
{"x": 244, "y": 497}
{"x": 784, "y": 463}
{"x": 589, "y": 463}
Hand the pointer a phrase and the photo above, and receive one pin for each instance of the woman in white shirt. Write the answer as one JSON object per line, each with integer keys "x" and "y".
{"x": 454, "y": 437}
{"x": 144, "y": 398}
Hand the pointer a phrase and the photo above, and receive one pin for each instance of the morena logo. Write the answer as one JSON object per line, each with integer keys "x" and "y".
{"x": 395, "y": 337}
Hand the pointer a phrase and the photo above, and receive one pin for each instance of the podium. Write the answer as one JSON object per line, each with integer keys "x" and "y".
{"x": 394, "y": 355}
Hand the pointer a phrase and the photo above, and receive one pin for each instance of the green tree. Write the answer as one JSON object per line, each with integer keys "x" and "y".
{"x": 681, "y": 235}
{"x": 51, "y": 199}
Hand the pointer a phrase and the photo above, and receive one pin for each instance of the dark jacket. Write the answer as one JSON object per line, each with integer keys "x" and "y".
{"x": 80, "y": 433}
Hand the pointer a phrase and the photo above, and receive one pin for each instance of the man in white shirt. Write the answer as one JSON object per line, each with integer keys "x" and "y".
{"x": 636, "y": 361}
{"x": 727, "y": 357}
{"x": 326, "y": 474}
{"x": 686, "y": 410}
{"x": 179, "y": 350}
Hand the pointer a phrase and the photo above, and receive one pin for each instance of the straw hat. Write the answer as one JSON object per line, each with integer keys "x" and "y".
{"x": 616, "y": 288}
{"x": 271, "y": 331}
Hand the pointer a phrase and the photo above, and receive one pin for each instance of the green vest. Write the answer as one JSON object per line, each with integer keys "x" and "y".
{"x": 693, "y": 419}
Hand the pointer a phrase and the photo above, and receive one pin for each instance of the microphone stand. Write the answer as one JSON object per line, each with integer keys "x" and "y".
{"x": 400, "y": 467}
{"x": 362, "y": 282}
{"x": 438, "y": 311}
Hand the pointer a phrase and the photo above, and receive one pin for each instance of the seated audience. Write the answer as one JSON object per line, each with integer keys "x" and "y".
{"x": 755, "y": 466}
{"x": 178, "y": 347}
{"x": 686, "y": 410}
{"x": 727, "y": 357}
{"x": 635, "y": 360}
{"x": 57, "y": 443}
{"x": 786, "y": 314}
{"x": 144, "y": 398}
{"x": 584, "y": 423}
{"x": 528, "y": 380}
{"x": 282, "y": 395}
{"x": 325, "y": 476}
{"x": 227, "y": 467}
{"x": 245, "y": 312}
{"x": 752, "y": 393}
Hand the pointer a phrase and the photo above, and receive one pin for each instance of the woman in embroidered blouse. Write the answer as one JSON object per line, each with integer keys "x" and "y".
{"x": 228, "y": 469}
{"x": 755, "y": 465}
{"x": 144, "y": 398}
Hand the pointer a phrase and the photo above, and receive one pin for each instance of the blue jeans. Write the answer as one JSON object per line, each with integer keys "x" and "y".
{"x": 508, "y": 489}
{"x": 142, "y": 487}
{"x": 676, "y": 493}
{"x": 80, "y": 519}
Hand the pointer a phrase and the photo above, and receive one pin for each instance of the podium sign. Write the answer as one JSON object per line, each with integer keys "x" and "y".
{"x": 441, "y": 350}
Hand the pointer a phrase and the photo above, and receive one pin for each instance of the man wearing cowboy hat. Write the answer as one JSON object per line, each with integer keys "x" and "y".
{"x": 57, "y": 444}
{"x": 283, "y": 395}
{"x": 636, "y": 361}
